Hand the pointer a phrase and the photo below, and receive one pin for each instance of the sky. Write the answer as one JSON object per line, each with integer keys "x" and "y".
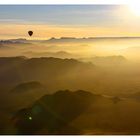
{"x": 67, "y": 20}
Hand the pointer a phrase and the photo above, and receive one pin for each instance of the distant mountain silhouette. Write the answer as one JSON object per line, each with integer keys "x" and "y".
{"x": 87, "y": 39}
{"x": 59, "y": 54}
{"x": 27, "y": 87}
{"x": 15, "y": 70}
{"x": 14, "y": 41}
{"x": 106, "y": 60}
{"x": 62, "y": 39}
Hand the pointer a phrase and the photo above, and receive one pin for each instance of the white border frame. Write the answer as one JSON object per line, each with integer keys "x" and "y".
{"x": 73, "y": 2}
{"x": 68, "y": 1}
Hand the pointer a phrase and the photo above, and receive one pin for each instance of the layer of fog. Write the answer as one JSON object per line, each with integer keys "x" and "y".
{"x": 75, "y": 48}
{"x": 117, "y": 64}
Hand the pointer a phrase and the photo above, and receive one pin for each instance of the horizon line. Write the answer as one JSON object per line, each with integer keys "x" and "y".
{"x": 66, "y": 37}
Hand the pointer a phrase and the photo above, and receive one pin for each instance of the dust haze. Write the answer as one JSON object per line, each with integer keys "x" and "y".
{"x": 70, "y": 86}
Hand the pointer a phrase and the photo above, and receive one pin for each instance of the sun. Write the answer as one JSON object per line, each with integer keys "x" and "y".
{"x": 135, "y": 8}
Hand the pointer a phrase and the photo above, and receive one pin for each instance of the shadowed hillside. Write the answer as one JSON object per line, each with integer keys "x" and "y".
{"x": 54, "y": 112}
{"x": 79, "y": 112}
{"x": 26, "y": 87}
{"x": 50, "y": 71}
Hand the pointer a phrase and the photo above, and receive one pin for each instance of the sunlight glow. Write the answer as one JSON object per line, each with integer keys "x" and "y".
{"x": 135, "y": 8}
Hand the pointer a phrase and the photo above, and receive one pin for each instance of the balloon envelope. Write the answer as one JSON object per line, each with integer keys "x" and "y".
{"x": 30, "y": 33}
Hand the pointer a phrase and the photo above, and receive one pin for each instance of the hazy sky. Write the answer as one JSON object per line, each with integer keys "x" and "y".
{"x": 63, "y": 20}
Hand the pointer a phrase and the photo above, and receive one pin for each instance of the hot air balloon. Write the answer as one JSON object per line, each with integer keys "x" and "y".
{"x": 30, "y": 33}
